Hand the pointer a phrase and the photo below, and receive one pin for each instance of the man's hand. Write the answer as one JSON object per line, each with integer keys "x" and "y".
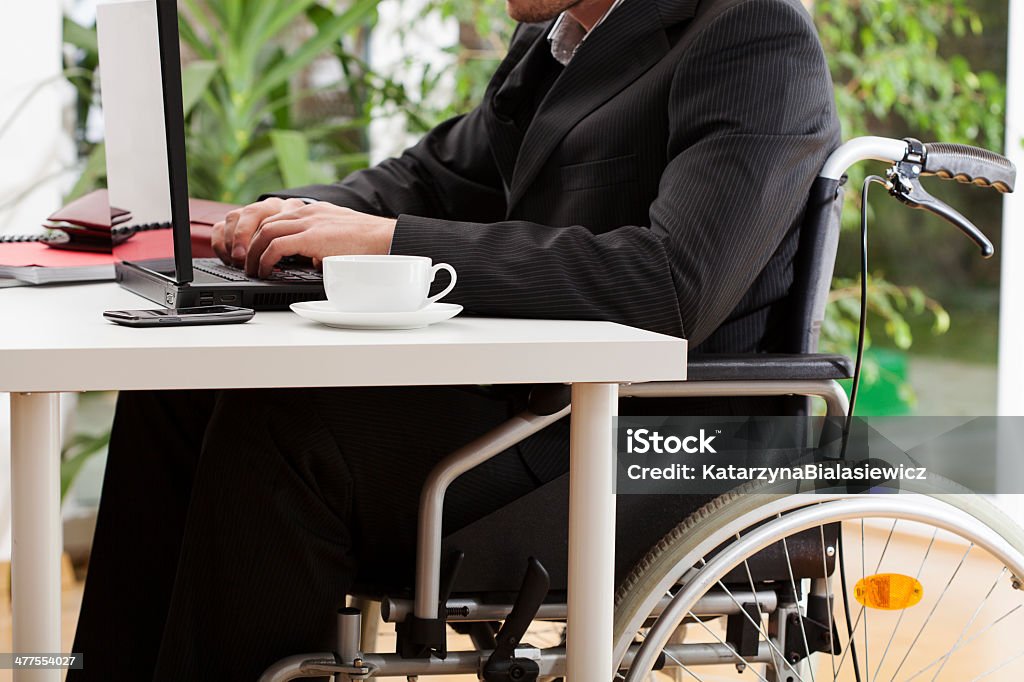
{"x": 261, "y": 234}
{"x": 231, "y": 236}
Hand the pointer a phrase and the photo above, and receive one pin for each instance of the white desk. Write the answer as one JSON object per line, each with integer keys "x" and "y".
{"x": 54, "y": 339}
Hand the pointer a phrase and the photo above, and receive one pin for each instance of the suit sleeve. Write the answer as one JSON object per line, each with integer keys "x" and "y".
{"x": 751, "y": 122}
{"x": 450, "y": 173}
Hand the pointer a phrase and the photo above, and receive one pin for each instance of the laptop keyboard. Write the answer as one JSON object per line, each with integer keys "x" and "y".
{"x": 212, "y": 266}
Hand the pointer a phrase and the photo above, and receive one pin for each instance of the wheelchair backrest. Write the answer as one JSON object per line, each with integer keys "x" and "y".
{"x": 814, "y": 264}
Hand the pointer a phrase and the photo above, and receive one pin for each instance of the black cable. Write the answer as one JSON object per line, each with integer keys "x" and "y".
{"x": 868, "y": 181}
{"x": 846, "y": 604}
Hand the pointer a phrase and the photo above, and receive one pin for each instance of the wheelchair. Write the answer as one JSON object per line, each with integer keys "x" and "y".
{"x": 766, "y": 582}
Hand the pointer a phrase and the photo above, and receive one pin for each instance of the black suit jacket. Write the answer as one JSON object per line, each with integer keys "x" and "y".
{"x": 658, "y": 180}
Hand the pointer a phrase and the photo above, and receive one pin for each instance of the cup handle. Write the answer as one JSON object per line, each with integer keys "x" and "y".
{"x": 447, "y": 289}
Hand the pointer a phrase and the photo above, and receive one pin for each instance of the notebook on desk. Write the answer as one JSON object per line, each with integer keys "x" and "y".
{"x": 147, "y": 171}
{"x": 54, "y": 257}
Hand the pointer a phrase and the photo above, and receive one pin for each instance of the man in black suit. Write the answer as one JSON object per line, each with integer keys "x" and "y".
{"x": 639, "y": 161}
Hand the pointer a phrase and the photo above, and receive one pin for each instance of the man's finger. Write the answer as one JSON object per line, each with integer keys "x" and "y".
{"x": 264, "y": 236}
{"x": 252, "y": 216}
{"x": 289, "y": 245}
{"x": 217, "y": 242}
{"x": 230, "y": 222}
{"x": 248, "y": 221}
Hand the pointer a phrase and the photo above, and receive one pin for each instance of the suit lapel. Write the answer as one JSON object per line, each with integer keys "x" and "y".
{"x": 618, "y": 52}
{"x": 504, "y": 137}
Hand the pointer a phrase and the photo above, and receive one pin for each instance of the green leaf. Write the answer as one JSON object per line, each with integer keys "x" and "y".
{"x": 292, "y": 152}
{"x": 195, "y": 78}
{"x": 79, "y": 451}
{"x": 233, "y": 14}
{"x": 274, "y": 18}
{"x": 80, "y": 36}
{"x": 198, "y": 12}
{"x": 191, "y": 38}
{"x": 93, "y": 175}
{"x": 328, "y": 34}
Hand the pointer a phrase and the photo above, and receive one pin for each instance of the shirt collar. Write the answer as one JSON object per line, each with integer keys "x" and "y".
{"x": 567, "y": 34}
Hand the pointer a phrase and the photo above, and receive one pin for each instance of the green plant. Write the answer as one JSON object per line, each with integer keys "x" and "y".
{"x": 891, "y": 73}
{"x": 888, "y": 65}
{"x": 252, "y": 120}
{"x": 485, "y": 31}
{"x": 243, "y": 95}
{"x": 76, "y": 453}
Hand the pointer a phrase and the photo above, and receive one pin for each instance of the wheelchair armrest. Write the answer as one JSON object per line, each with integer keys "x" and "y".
{"x": 768, "y": 367}
{"x": 546, "y": 399}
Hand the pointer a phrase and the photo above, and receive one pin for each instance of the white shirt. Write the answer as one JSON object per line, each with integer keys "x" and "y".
{"x": 567, "y": 34}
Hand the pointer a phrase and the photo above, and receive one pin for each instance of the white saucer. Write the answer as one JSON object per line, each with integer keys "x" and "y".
{"x": 322, "y": 312}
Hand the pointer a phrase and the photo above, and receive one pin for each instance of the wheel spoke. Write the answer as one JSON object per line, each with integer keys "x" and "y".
{"x": 792, "y": 584}
{"x": 761, "y": 629}
{"x": 860, "y": 613}
{"x": 899, "y": 619}
{"x": 970, "y": 622}
{"x": 863, "y": 575}
{"x": 998, "y": 667}
{"x": 734, "y": 652}
{"x": 757, "y": 602}
{"x": 681, "y": 665}
{"x": 931, "y": 613}
{"x": 829, "y": 603}
{"x": 968, "y": 641}
{"x": 851, "y": 628}
{"x": 773, "y": 649}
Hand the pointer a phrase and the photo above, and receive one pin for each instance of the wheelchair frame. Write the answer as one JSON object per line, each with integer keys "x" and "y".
{"x": 350, "y": 662}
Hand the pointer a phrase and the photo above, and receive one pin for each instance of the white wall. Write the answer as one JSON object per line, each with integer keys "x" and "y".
{"x": 1011, "y": 313}
{"x": 1011, "y": 309}
{"x": 33, "y": 149}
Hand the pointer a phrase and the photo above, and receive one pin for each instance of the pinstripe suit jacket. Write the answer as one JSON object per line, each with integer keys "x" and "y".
{"x": 658, "y": 180}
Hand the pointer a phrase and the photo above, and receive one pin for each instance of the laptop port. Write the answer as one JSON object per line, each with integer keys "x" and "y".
{"x": 228, "y": 298}
{"x": 206, "y": 299}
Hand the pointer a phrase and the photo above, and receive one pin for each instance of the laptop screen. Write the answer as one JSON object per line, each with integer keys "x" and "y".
{"x": 140, "y": 89}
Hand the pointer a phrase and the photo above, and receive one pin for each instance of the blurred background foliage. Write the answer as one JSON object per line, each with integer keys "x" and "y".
{"x": 279, "y": 93}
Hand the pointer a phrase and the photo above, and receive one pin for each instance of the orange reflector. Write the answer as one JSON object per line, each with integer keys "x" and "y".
{"x": 889, "y": 591}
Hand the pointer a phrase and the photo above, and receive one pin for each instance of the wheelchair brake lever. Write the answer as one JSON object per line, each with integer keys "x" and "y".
{"x": 502, "y": 663}
{"x": 905, "y": 185}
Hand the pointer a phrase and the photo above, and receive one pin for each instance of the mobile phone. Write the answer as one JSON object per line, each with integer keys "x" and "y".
{"x": 178, "y": 317}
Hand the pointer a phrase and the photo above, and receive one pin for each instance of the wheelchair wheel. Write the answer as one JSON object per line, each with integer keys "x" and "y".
{"x": 921, "y": 585}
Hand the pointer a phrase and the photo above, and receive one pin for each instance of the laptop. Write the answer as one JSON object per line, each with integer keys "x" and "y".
{"x": 144, "y": 119}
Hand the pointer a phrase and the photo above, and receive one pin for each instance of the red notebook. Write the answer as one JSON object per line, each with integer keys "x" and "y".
{"x": 92, "y": 210}
{"x": 33, "y": 262}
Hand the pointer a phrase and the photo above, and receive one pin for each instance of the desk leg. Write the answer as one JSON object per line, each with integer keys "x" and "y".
{"x": 591, "y": 533}
{"x": 36, "y": 528}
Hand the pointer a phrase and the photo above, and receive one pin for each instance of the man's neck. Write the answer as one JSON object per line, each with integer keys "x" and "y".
{"x": 589, "y": 12}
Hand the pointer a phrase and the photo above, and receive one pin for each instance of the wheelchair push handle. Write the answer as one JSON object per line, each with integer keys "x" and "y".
{"x": 967, "y": 164}
{"x": 956, "y": 161}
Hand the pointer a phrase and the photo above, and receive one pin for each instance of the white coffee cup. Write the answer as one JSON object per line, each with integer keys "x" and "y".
{"x": 384, "y": 284}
